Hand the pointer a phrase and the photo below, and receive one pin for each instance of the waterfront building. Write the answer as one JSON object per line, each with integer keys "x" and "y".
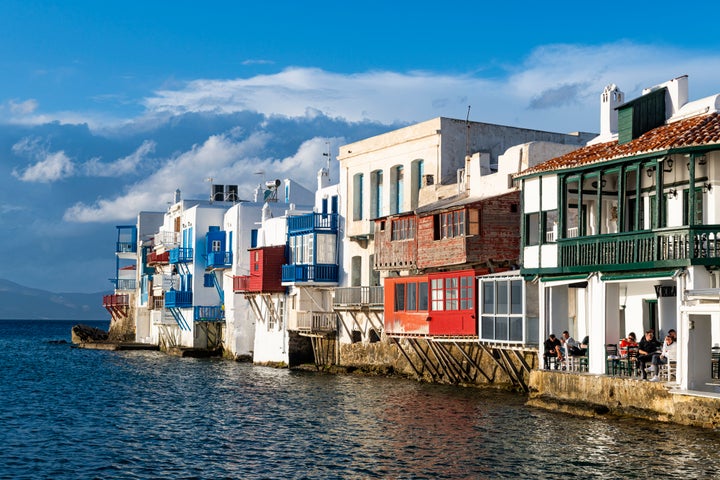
{"x": 450, "y": 271}
{"x": 622, "y": 234}
{"x": 388, "y": 176}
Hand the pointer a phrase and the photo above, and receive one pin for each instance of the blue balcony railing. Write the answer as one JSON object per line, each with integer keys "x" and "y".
{"x": 219, "y": 259}
{"x": 326, "y": 222}
{"x": 310, "y": 273}
{"x": 208, "y": 313}
{"x": 178, "y": 299}
{"x": 181, "y": 255}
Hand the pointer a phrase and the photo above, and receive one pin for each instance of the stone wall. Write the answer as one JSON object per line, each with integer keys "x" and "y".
{"x": 592, "y": 395}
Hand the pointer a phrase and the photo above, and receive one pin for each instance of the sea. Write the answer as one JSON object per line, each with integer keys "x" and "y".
{"x": 70, "y": 413}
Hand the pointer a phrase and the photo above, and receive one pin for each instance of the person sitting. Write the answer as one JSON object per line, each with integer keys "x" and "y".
{"x": 668, "y": 354}
{"x": 552, "y": 350}
{"x": 629, "y": 341}
{"x": 583, "y": 348}
{"x": 646, "y": 348}
{"x": 571, "y": 346}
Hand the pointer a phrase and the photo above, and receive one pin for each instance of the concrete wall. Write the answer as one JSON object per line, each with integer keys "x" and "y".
{"x": 592, "y": 395}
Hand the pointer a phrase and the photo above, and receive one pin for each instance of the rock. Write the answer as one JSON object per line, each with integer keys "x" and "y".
{"x": 87, "y": 334}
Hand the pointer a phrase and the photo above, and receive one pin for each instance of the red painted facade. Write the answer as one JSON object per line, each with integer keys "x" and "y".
{"x": 265, "y": 271}
{"x": 436, "y": 304}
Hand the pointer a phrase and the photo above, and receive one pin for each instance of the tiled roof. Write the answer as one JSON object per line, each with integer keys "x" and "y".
{"x": 693, "y": 131}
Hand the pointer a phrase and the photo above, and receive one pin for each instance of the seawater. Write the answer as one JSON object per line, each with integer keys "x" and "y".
{"x": 70, "y": 413}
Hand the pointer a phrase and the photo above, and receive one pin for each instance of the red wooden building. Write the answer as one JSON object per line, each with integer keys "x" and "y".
{"x": 265, "y": 271}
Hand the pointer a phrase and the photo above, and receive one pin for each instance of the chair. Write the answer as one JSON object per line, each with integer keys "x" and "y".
{"x": 628, "y": 364}
{"x": 584, "y": 361}
{"x": 667, "y": 370}
{"x": 715, "y": 363}
{"x": 612, "y": 358}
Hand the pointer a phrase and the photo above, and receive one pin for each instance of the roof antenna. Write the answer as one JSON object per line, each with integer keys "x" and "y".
{"x": 467, "y": 133}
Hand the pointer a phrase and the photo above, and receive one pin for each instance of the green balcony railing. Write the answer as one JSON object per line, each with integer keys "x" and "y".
{"x": 667, "y": 247}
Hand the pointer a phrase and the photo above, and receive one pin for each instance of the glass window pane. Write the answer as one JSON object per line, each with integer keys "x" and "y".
{"x": 516, "y": 329}
{"x": 502, "y": 300}
{"x": 412, "y": 296}
{"x": 488, "y": 297}
{"x": 516, "y": 297}
{"x": 422, "y": 296}
{"x": 399, "y": 297}
{"x": 487, "y": 328}
{"x": 501, "y": 328}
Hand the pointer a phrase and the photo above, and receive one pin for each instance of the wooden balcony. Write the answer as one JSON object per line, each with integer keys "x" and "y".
{"x": 314, "y": 322}
{"x": 116, "y": 300}
{"x": 662, "y": 248}
{"x": 358, "y": 297}
{"x": 155, "y": 258}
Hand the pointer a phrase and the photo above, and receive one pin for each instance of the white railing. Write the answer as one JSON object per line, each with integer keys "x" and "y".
{"x": 572, "y": 232}
{"x": 314, "y": 322}
{"x": 167, "y": 239}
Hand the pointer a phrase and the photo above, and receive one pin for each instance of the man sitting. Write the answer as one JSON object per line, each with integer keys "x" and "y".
{"x": 552, "y": 350}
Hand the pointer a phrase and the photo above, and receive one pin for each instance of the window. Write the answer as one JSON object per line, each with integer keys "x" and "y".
{"x": 451, "y": 293}
{"x": 551, "y": 225}
{"x": 436, "y": 288}
{"x": 377, "y": 194}
{"x": 502, "y": 315}
{"x": 532, "y": 229}
{"x": 358, "y": 196}
{"x": 422, "y": 296}
{"x": 466, "y": 293}
{"x": 449, "y": 224}
{"x": 399, "y": 175}
{"x": 412, "y": 296}
{"x": 216, "y": 245}
{"x": 326, "y": 248}
{"x": 403, "y": 229}
{"x": 399, "y": 297}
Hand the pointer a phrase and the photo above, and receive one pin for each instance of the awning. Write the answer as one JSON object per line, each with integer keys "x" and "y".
{"x": 662, "y": 274}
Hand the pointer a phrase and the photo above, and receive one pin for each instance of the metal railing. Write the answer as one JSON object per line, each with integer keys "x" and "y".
{"x": 310, "y": 273}
{"x": 181, "y": 255}
{"x": 168, "y": 239}
{"x": 312, "y": 222}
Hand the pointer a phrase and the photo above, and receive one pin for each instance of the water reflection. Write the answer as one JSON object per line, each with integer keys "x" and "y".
{"x": 71, "y": 413}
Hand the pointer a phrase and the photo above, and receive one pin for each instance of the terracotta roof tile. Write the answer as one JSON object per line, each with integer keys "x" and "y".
{"x": 694, "y": 131}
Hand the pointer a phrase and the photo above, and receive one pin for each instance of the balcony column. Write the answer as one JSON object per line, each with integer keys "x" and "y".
{"x": 659, "y": 196}
{"x": 691, "y": 193}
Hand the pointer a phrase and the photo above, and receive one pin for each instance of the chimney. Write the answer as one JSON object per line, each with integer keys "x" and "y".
{"x": 323, "y": 177}
{"x": 610, "y": 99}
{"x": 677, "y": 94}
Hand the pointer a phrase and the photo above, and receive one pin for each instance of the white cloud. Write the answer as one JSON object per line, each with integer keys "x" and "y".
{"x": 557, "y": 87}
{"x": 54, "y": 166}
{"x": 220, "y": 157}
{"x": 129, "y": 164}
{"x": 23, "y": 108}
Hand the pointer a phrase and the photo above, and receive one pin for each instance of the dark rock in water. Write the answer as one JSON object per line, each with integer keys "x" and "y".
{"x": 87, "y": 334}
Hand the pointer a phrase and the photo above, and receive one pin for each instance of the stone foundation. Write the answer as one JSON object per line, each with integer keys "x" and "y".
{"x": 594, "y": 395}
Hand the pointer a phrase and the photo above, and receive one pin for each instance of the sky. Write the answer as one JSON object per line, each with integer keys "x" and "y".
{"x": 107, "y": 107}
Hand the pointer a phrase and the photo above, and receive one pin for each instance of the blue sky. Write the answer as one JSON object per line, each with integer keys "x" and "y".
{"x": 107, "y": 107}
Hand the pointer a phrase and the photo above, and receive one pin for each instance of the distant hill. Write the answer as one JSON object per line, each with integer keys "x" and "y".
{"x": 25, "y": 303}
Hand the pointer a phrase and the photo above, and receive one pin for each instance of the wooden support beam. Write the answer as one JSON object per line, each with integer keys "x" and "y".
{"x": 402, "y": 350}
